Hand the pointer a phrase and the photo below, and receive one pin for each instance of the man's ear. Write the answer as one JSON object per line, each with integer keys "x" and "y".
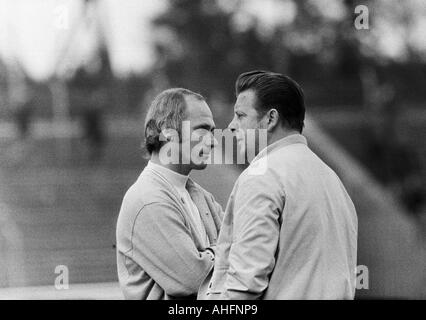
{"x": 169, "y": 135}
{"x": 273, "y": 119}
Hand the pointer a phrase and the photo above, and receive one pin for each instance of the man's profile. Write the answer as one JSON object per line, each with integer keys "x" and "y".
{"x": 168, "y": 224}
{"x": 290, "y": 229}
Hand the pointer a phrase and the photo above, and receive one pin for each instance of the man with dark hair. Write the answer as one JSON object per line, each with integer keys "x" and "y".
{"x": 290, "y": 228}
{"x": 277, "y": 90}
{"x": 168, "y": 225}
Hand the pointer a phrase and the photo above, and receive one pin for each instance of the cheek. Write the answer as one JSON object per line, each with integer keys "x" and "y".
{"x": 201, "y": 141}
{"x": 245, "y": 123}
{"x": 252, "y": 123}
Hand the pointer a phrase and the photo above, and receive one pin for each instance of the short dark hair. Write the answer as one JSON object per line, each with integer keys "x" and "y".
{"x": 167, "y": 111}
{"x": 275, "y": 90}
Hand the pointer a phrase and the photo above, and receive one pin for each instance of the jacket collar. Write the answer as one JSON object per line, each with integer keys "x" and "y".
{"x": 175, "y": 179}
{"x": 284, "y": 142}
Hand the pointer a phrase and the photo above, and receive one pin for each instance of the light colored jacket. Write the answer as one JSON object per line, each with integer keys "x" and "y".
{"x": 159, "y": 253}
{"x": 289, "y": 231}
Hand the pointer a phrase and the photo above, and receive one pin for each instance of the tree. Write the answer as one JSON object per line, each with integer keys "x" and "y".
{"x": 198, "y": 47}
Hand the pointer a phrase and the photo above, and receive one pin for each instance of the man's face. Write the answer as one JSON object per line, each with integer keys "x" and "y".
{"x": 246, "y": 117}
{"x": 201, "y": 126}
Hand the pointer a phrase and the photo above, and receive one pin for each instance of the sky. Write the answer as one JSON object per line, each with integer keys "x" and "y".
{"x": 48, "y": 37}
{"x": 36, "y": 33}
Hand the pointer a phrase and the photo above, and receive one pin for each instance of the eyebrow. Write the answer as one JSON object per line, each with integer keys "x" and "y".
{"x": 240, "y": 112}
{"x": 205, "y": 126}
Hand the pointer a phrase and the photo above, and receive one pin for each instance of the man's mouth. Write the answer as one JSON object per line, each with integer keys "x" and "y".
{"x": 240, "y": 139}
{"x": 239, "y": 136}
{"x": 203, "y": 154}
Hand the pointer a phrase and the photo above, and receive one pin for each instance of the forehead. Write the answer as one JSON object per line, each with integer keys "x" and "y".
{"x": 198, "y": 112}
{"x": 246, "y": 101}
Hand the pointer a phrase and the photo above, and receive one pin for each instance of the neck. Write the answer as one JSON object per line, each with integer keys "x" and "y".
{"x": 178, "y": 168}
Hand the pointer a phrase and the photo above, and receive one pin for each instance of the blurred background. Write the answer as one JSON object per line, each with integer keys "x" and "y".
{"x": 76, "y": 78}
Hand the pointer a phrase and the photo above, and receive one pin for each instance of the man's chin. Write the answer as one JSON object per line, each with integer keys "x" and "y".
{"x": 200, "y": 165}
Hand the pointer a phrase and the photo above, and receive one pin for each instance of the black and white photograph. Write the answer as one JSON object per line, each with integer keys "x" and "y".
{"x": 224, "y": 150}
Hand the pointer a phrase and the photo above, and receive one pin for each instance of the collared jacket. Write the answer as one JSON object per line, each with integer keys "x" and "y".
{"x": 159, "y": 253}
{"x": 289, "y": 230}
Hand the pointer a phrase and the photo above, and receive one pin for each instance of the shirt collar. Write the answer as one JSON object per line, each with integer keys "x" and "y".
{"x": 284, "y": 142}
{"x": 176, "y": 179}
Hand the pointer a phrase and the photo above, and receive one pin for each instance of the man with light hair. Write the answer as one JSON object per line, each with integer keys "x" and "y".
{"x": 168, "y": 225}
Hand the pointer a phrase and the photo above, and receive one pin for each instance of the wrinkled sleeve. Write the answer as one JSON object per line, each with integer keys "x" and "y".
{"x": 258, "y": 203}
{"x": 163, "y": 247}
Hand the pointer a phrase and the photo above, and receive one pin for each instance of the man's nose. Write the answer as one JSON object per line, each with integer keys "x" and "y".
{"x": 232, "y": 126}
{"x": 214, "y": 142}
{"x": 210, "y": 141}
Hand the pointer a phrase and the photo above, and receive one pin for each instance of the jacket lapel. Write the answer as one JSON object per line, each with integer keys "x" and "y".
{"x": 199, "y": 199}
